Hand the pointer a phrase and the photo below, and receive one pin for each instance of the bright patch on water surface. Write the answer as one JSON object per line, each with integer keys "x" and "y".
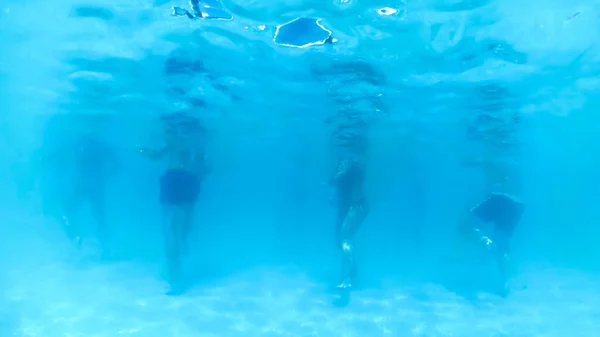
{"x": 387, "y": 11}
{"x": 302, "y": 33}
{"x": 206, "y": 9}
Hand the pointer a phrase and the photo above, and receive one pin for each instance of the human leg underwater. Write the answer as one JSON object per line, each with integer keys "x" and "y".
{"x": 349, "y": 226}
{"x": 179, "y": 191}
{"x": 503, "y": 212}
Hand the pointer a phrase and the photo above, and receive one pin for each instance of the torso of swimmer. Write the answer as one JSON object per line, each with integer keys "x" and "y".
{"x": 502, "y": 174}
{"x": 349, "y": 182}
{"x": 502, "y": 177}
{"x": 93, "y": 155}
{"x": 181, "y": 151}
{"x": 186, "y": 152}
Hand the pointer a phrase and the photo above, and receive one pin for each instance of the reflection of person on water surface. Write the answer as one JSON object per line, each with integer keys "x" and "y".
{"x": 184, "y": 152}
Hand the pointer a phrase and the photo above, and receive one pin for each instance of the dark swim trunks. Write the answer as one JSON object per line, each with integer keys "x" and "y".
{"x": 501, "y": 209}
{"x": 179, "y": 187}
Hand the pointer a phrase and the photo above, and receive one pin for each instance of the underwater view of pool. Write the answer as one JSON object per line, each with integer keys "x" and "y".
{"x": 343, "y": 168}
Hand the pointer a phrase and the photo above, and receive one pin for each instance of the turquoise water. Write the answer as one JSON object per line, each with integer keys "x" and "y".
{"x": 436, "y": 86}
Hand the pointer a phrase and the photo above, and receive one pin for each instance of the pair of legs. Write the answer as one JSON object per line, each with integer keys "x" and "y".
{"x": 177, "y": 225}
{"x": 348, "y": 181}
{"x": 94, "y": 196}
{"x": 179, "y": 190}
{"x": 503, "y": 212}
{"x": 349, "y": 220}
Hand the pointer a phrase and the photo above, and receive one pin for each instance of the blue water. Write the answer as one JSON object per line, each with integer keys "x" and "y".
{"x": 430, "y": 84}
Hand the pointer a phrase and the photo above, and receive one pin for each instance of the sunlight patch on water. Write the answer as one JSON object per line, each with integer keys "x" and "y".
{"x": 387, "y": 11}
{"x": 302, "y": 33}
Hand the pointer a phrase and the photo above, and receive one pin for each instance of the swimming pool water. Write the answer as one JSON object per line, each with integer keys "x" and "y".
{"x": 264, "y": 260}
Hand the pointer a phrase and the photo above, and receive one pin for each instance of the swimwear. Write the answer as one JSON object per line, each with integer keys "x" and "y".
{"x": 501, "y": 209}
{"x": 178, "y": 187}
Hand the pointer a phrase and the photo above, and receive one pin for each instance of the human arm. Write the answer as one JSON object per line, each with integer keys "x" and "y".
{"x": 474, "y": 233}
{"x": 153, "y": 154}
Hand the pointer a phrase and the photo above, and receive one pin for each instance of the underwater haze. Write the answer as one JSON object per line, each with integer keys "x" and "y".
{"x": 441, "y": 106}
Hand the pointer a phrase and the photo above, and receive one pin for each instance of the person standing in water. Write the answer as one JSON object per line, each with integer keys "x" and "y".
{"x": 348, "y": 182}
{"x": 353, "y": 88}
{"x": 94, "y": 160}
{"x": 85, "y": 163}
{"x": 180, "y": 185}
{"x": 492, "y": 222}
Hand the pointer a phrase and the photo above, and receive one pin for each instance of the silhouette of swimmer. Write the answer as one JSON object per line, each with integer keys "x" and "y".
{"x": 180, "y": 185}
{"x": 351, "y": 211}
{"x": 502, "y": 212}
{"x": 94, "y": 161}
{"x": 495, "y": 127}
